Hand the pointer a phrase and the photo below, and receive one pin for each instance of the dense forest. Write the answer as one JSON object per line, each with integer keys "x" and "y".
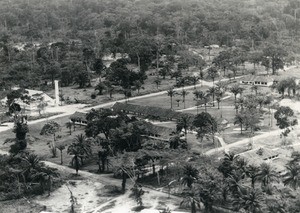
{"x": 47, "y": 39}
{"x": 201, "y": 69}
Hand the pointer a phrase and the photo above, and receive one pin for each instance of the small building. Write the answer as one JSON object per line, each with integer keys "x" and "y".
{"x": 158, "y": 131}
{"x": 257, "y": 80}
{"x": 79, "y": 118}
{"x": 260, "y": 155}
{"x": 36, "y": 98}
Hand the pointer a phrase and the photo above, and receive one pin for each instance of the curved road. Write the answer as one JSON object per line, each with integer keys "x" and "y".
{"x": 70, "y": 109}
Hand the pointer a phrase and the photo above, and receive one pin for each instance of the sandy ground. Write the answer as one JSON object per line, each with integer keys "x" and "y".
{"x": 85, "y": 191}
{"x": 90, "y": 198}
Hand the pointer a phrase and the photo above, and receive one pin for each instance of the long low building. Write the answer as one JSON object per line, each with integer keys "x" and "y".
{"x": 79, "y": 118}
{"x": 257, "y": 80}
{"x": 151, "y": 112}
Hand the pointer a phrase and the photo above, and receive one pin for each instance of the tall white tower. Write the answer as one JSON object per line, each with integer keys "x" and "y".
{"x": 56, "y": 92}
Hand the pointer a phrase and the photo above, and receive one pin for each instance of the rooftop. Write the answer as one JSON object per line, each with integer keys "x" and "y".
{"x": 256, "y": 156}
{"x": 78, "y": 116}
{"x": 260, "y": 78}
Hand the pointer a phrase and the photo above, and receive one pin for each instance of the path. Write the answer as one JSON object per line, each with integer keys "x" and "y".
{"x": 70, "y": 109}
{"x": 106, "y": 179}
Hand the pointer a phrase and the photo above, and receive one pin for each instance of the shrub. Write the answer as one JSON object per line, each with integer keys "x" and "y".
{"x": 93, "y": 96}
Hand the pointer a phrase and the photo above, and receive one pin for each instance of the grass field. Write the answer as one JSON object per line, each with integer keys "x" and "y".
{"x": 39, "y": 144}
{"x": 164, "y": 101}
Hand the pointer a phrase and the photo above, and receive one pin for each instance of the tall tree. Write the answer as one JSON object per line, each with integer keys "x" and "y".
{"x": 292, "y": 177}
{"x": 250, "y": 200}
{"x": 184, "y": 93}
{"x": 285, "y": 117}
{"x": 190, "y": 175}
{"x": 184, "y": 122}
{"x": 171, "y": 93}
{"x": 212, "y": 92}
{"x": 266, "y": 174}
{"x": 236, "y": 89}
{"x": 252, "y": 172}
{"x": 205, "y": 125}
{"x": 276, "y": 55}
{"x": 212, "y": 73}
{"x": 80, "y": 149}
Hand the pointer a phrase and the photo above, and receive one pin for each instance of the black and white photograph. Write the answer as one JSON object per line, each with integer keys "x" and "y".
{"x": 149, "y": 106}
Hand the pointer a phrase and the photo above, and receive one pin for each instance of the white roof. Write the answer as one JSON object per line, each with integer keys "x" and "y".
{"x": 32, "y": 93}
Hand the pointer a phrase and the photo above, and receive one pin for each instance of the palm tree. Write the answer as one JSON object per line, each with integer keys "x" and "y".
{"x": 234, "y": 184}
{"x": 74, "y": 150}
{"x": 207, "y": 196}
{"x": 79, "y": 148}
{"x": 266, "y": 174}
{"x": 157, "y": 81}
{"x": 194, "y": 79}
{"x": 127, "y": 94}
{"x": 183, "y": 122}
{"x": 192, "y": 201}
{"x": 103, "y": 159}
{"x": 227, "y": 165}
{"x": 31, "y": 160}
{"x": 212, "y": 73}
{"x": 211, "y": 91}
{"x": 100, "y": 87}
{"x": 219, "y": 95}
{"x": 197, "y": 94}
{"x": 235, "y": 89}
{"x": 250, "y": 201}
{"x": 42, "y": 178}
{"x": 178, "y": 101}
{"x": 206, "y": 98}
{"x": 190, "y": 175}
{"x": 240, "y": 120}
{"x": 184, "y": 93}
{"x": 171, "y": 92}
{"x": 201, "y": 76}
{"x": 230, "y": 157}
{"x": 292, "y": 177}
{"x": 203, "y": 96}
{"x": 138, "y": 85}
{"x": 267, "y": 102}
{"x": 241, "y": 166}
{"x": 69, "y": 126}
{"x": 109, "y": 88}
{"x": 61, "y": 148}
{"x": 240, "y": 103}
{"x": 252, "y": 172}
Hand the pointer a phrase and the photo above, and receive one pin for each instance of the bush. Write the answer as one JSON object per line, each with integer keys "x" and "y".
{"x": 17, "y": 147}
{"x": 93, "y": 96}
{"x": 111, "y": 190}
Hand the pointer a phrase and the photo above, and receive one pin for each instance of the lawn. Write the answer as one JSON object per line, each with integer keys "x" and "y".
{"x": 164, "y": 101}
{"x": 83, "y": 95}
{"x": 293, "y": 72}
{"x": 39, "y": 144}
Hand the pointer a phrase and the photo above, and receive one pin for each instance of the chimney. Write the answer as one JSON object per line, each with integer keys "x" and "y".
{"x": 56, "y": 92}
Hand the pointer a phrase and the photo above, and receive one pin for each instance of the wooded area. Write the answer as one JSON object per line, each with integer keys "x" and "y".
{"x": 44, "y": 40}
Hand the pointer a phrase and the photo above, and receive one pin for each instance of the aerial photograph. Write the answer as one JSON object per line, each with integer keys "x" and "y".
{"x": 150, "y": 106}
